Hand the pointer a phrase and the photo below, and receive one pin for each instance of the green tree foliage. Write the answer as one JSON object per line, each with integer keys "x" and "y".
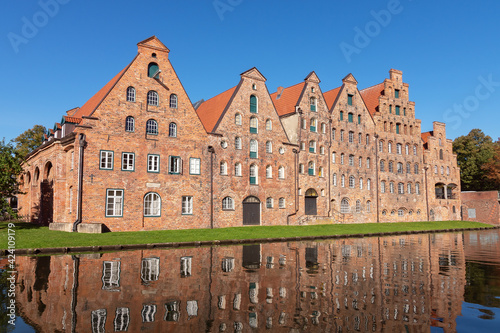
{"x": 29, "y": 140}
{"x": 10, "y": 169}
{"x": 474, "y": 151}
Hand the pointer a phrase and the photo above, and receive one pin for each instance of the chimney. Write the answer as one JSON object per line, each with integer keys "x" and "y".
{"x": 279, "y": 91}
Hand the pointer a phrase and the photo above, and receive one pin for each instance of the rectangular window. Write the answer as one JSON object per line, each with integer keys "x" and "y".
{"x": 350, "y": 117}
{"x": 122, "y": 319}
{"x": 396, "y": 93}
{"x": 106, "y": 160}
{"x": 471, "y": 212}
{"x": 186, "y": 266}
{"x": 153, "y": 163}
{"x": 148, "y": 313}
{"x": 349, "y": 99}
{"x": 174, "y": 165}
{"x": 227, "y": 265}
{"x": 128, "y": 161}
{"x": 194, "y": 166}
{"x": 98, "y": 320}
{"x": 397, "y": 110}
{"x": 341, "y": 115}
{"x": 114, "y": 203}
{"x": 187, "y": 205}
{"x": 150, "y": 269}
{"x": 397, "y": 128}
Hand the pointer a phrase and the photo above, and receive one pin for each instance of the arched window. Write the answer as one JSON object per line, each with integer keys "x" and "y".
{"x": 368, "y": 163}
{"x": 440, "y": 153}
{"x": 442, "y": 170}
{"x": 342, "y": 181}
{"x": 172, "y": 130}
{"x": 417, "y": 188}
{"x": 129, "y": 124}
{"x": 254, "y": 147}
{"x": 342, "y": 135}
{"x": 391, "y": 187}
{"x": 312, "y": 146}
{"x": 389, "y": 147}
{"x": 269, "y": 171}
{"x": 322, "y": 150}
{"x": 407, "y": 149}
{"x": 447, "y": 171}
{"x": 344, "y": 206}
{"x": 400, "y": 167}
{"x": 408, "y": 188}
{"x": 323, "y": 128}
{"x": 368, "y": 184}
{"x": 152, "y": 98}
{"x": 415, "y": 171}
{"x": 227, "y": 203}
{"x": 333, "y": 134}
{"x": 381, "y": 146}
{"x": 320, "y": 172}
{"x": 152, "y": 69}
{"x": 408, "y": 167}
{"x": 130, "y": 94}
{"x": 301, "y": 168}
{"x": 367, "y": 139}
{"x": 152, "y": 127}
{"x": 269, "y": 203}
{"x": 351, "y": 160}
{"x": 352, "y": 182}
{"x": 350, "y": 117}
{"x": 312, "y": 103}
{"x": 358, "y": 206}
{"x": 436, "y": 169}
{"x": 254, "y": 174}
{"x": 399, "y": 149}
{"x": 401, "y": 188}
{"x": 342, "y": 158}
{"x": 341, "y": 115}
{"x": 311, "y": 168}
{"x": 254, "y": 125}
{"x": 237, "y": 142}
{"x": 237, "y": 169}
{"x": 382, "y": 166}
{"x": 313, "y": 125}
{"x": 253, "y": 104}
{"x": 382, "y": 186}
{"x": 237, "y": 119}
{"x": 415, "y": 150}
{"x": 360, "y": 183}
{"x": 152, "y": 204}
{"x": 391, "y": 166}
{"x": 351, "y": 136}
{"x": 282, "y": 203}
{"x": 368, "y": 206}
{"x": 173, "y": 101}
{"x": 334, "y": 179}
{"x": 223, "y": 168}
{"x": 281, "y": 172}
{"x": 269, "y": 147}
{"x": 269, "y": 125}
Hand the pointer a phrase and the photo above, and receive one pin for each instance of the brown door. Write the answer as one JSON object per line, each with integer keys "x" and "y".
{"x": 251, "y": 211}
{"x": 310, "y": 202}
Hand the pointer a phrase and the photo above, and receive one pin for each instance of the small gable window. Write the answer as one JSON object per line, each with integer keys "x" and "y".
{"x": 172, "y": 130}
{"x": 253, "y": 104}
{"x": 130, "y": 94}
{"x": 397, "y": 110}
{"x": 349, "y": 99}
{"x": 396, "y": 93}
{"x": 359, "y": 119}
{"x": 312, "y": 102}
{"x": 152, "y": 127}
{"x": 253, "y": 125}
{"x": 350, "y": 117}
{"x": 269, "y": 125}
{"x": 153, "y": 69}
{"x": 237, "y": 119}
{"x": 152, "y": 98}
{"x": 173, "y": 101}
{"x": 341, "y": 115}
{"x": 129, "y": 124}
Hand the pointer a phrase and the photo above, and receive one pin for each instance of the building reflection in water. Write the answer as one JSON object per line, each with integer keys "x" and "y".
{"x": 401, "y": 283}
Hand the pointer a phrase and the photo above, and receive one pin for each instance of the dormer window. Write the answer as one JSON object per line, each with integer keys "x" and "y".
{"x": 153, "y": 69}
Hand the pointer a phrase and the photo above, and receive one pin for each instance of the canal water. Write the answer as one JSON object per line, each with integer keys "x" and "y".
{"x": 444, "y": 282}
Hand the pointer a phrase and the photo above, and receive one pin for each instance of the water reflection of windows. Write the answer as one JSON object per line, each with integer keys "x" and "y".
{"x": 148, "y": 313}
{"x": 172, "y": 311}
{"x": 315, "y": 317}
{"x": 186, "y": 266}
{"x": 269, "y": 262}
{"x": 237, "y": 301}
{"x": 111, "y": 275}
{"x": 269, "y": 323}
{"x": 192, "y": 308}
{"x": 282, "y": 260}
{"x": 98, "y": 321}
{"x": 346, "y": 252}
{"x": 253, "y": 292}
{"x": 150, "y": 269}
{"x": 282, "y": 318}
{"x": 312, "y": 264}
{"x": 282, "y": 292}
{"x": 227, "y": 265}
{"x": 221, "y": 304}
{"x": 122, "y": 319}
{"x": 238, "y": 327}
{"x": 252, "y": 320}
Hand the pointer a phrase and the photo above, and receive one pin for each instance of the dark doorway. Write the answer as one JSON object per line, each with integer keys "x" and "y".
{"x": 251, "y": 256}
{"x": 46, "y": 203}
{"x": 311, "y": 207}
{"x": 251, "y": 211}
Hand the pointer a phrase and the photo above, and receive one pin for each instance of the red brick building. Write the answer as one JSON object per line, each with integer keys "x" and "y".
{"x": 140, "y": 156}
{"x": 481, "y": 206}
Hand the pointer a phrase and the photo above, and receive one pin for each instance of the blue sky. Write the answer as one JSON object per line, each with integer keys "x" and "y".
{"x": 448, "y": 51}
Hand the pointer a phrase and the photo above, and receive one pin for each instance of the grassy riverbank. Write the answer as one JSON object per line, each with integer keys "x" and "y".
{"x": 29, "y": 236}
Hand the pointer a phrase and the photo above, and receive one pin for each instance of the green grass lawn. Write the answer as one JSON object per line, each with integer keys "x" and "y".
{"x": 30, "y": 236}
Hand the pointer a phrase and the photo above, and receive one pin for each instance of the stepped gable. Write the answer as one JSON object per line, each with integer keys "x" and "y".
{"x": 371, "y": 97}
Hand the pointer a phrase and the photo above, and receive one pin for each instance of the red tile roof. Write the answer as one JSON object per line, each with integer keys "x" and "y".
{"x": 371, "y": 97}
{"x": 211, "y": 110}
{"x": 289, "y": 98}
{"x": 89, "y": 107}
{"x": 330, "y": 97}
{"x": 72, "y": 111}
{"x": 58, "y": 126}
{"x": 73, "y": 120}
{"x": 425, "y": 137}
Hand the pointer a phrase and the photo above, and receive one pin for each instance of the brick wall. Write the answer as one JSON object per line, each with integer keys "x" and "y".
{"x": 486, "y": 206}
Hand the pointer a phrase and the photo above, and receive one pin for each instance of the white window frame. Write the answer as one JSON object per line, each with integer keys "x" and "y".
{"x": 152, "y": 205}
{"x": 187, "y": 205}
{"x": 115, "y": 204}
{"x": 174, "y": 165}
{"x": 128, "y": 161}
{"x": 106, "y": 160}
{"x": 194, "y": 166}
{"x": 281, "y": 203}
{"x": 227, "y": 203}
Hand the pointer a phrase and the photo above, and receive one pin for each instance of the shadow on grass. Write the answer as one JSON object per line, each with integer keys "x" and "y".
{"x": 19, "y": 225}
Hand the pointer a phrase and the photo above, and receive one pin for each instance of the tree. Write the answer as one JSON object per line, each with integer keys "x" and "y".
{"x": 29, "y": 140}
{"x": 474, "y": 151}
{"x": 493, "y": 166}
{"x": 10, "y": 169}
